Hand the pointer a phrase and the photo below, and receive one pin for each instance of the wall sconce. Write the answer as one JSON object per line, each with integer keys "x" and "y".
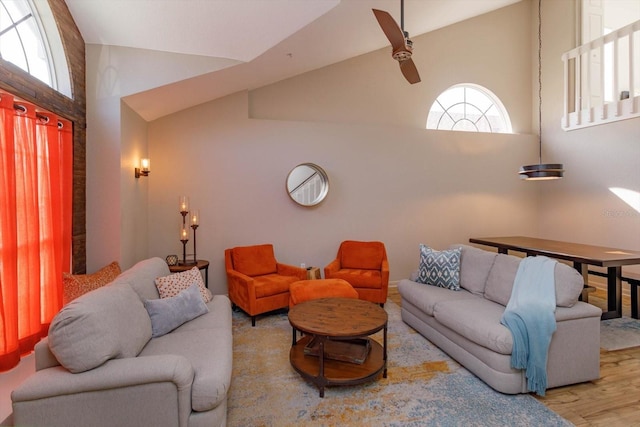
{"x": 144, "y": 169}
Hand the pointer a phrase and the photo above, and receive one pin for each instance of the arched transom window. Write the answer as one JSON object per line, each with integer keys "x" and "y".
{"x": 29, "y": 38}
{"x": 471, "y": 108}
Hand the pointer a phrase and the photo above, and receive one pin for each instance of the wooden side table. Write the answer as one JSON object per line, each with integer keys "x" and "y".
{"x": 201, "y": 264}
{"x": 313, "y": 273}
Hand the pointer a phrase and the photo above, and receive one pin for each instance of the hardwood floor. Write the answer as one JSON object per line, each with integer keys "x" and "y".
{"x": 613, "y": 400}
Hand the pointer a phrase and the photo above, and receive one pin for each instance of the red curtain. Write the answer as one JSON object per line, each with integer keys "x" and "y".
{"x": 36, "y": 172}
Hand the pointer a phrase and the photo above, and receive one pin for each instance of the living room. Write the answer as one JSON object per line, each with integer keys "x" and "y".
{"x": 390, "y": 178}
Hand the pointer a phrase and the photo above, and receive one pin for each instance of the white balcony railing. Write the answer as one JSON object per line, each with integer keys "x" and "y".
{"x": 602, "y": 79}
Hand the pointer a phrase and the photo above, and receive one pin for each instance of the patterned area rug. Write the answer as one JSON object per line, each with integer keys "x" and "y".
{"x": 424, "y": 386}
{"x": 617, "y": 334}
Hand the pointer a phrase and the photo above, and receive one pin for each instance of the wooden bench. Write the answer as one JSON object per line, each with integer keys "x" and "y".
{"x": 633, "y": 279}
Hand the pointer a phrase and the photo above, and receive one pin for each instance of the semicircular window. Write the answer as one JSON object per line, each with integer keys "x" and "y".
{"x": 469, "y": 108}
{"x": 29, "y": 38}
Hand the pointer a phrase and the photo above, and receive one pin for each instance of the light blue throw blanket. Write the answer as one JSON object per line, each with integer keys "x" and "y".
{"x": 530, "y": 318}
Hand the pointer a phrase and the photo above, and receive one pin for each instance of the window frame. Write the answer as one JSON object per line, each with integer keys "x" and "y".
{"x": 40, "y": 23}
{"x": 437, "y": 107}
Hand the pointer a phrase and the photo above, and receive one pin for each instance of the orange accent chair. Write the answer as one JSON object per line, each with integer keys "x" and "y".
{"x": 365, "y": 266}
{"x": 257, "y": 282}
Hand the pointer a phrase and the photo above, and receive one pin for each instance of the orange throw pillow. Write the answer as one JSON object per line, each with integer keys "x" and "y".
{"x": 74, "y": 285}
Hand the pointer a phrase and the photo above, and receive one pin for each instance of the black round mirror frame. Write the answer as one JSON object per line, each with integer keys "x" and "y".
{"x": 307, "y": 184}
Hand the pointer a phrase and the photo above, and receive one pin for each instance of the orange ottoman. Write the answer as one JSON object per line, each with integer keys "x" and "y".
{"x": 305, "y": 290}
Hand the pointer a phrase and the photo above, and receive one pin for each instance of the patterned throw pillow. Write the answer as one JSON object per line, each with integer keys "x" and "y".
{"x": 440, "y": 269}
{"x": 171, "y": 285}
{"x": 74, "y": 285}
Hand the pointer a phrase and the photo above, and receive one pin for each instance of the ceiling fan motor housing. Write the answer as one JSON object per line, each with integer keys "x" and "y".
{"x": 402, "y": 54}
{"x": 405, "y": 52}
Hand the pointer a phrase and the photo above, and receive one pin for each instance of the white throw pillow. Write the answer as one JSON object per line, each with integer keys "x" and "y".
{"x": 173, "y": 284}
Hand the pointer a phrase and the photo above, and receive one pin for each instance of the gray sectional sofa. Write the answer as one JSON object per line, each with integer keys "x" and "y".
{"x": 466, "y": 323}
{"x": 178, "y": 379}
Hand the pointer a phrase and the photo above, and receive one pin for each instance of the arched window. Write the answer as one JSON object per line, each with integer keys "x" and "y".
{"x": 29, "y": 38}
{"x": 471, "y": 108}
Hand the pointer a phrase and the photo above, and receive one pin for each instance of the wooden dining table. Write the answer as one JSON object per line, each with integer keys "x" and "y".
{"x": 580, "y": 255}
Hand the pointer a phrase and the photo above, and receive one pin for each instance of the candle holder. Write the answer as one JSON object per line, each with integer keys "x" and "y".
{"x": 184, "y": 251}
{"x": 184, "y": 232}
{"x": 195, "y": 257}
{"x": 195, "y": 221}
{"x": 184, "y": 206}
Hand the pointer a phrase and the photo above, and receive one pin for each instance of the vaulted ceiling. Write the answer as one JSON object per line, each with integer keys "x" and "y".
{"x": 244, "y": 44}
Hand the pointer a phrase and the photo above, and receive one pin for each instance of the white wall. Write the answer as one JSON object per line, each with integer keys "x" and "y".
{"x": 103, "y": 158}
{"x": 581, "y": 207}
{"x": 116, "y": 140}
{"x": 399, "y": 185}
{"x": 390, "y": 179}
{"x": 133, "y": 191}
{"x": 492, "y": 50}
{"x": 361, "y": 122}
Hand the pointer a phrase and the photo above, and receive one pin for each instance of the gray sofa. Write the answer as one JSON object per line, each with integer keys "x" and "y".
{"x": 178, "y": 379}
{"x": 466, "y": 323}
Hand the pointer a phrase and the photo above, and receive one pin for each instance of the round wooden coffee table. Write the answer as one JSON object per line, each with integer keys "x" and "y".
{"x": 336, "y": 349}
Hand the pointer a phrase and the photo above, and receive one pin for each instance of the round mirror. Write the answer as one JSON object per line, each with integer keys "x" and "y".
{"x": 307, "y": 184}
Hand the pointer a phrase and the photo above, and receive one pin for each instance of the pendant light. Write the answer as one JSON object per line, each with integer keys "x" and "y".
{"x": 541, "y": 171}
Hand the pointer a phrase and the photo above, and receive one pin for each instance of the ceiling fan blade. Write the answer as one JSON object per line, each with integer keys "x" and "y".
{"x": 390, "y": 28}
{"x": 409, "y": 71}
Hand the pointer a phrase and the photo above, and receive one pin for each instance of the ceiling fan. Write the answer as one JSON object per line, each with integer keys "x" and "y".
{"x": 400, "y": 43}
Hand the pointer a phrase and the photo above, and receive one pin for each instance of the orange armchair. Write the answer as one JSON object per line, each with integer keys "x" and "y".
{"x": 365, "y": 266}
{"x": 257, "y": 282}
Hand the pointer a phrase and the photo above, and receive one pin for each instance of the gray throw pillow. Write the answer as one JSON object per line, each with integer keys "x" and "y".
{"x": 439, "y": 268}
{"x": 107, "y": 323}
{"x": 168, "y": 313}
